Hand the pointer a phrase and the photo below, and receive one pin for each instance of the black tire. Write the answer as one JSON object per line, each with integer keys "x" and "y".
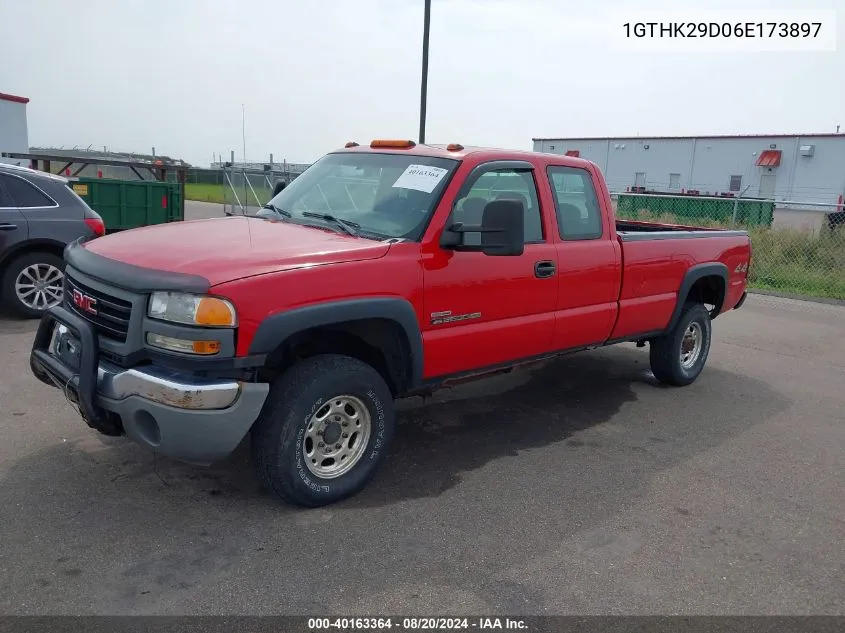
{"x": 8, "y": 297}
{"x": 665, "y": 352}
{"x": 279, "y": 433}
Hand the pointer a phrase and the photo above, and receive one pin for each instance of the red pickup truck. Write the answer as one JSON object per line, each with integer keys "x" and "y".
{"x": 383, "y": 271}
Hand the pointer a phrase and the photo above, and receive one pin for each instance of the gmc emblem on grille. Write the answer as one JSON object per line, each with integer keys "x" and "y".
{"x": 84, "y": 302}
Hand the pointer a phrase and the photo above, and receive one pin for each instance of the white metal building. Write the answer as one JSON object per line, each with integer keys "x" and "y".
{"x": 801, "y": 167}
{"x": 13, "y": 131}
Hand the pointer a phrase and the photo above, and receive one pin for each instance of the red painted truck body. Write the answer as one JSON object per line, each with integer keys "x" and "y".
{"x": 419, "y": 311}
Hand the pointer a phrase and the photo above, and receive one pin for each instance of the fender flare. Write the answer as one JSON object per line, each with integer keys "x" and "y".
{"x": 695, "y": 273}
{"x": 278, "y": 327}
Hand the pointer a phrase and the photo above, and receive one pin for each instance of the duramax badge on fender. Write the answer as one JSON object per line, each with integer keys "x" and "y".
{"x": 380, "y": 272}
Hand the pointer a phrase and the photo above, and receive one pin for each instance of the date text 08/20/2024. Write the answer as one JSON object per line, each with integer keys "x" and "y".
{"x": 414, "y": 624}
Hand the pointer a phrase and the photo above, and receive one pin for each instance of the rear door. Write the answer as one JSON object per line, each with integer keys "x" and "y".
{"x": 483, "y": 310}
{"x": 13, "y": 226}
{"x": 589, "y": 261}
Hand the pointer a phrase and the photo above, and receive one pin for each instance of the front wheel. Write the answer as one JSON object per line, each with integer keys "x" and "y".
{"x": 324, "y": 430}
{"x": 678, "y": 357}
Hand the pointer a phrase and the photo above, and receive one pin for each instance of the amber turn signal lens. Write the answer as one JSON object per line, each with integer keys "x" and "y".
{"x": 213, "y": 311}
{"x": 206, "y": 347}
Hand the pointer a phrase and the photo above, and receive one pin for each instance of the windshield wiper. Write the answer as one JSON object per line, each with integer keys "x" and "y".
{"x": 281, "y": 212}
{"x": 350, "y": 227}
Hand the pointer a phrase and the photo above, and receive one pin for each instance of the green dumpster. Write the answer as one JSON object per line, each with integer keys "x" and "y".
{"x": 129, "y": 204}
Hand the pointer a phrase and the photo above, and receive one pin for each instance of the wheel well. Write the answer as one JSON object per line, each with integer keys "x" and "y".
{"x": 381, "y": 343}
{"x": 710, "y": 291}
{"x": 31, "y": 247}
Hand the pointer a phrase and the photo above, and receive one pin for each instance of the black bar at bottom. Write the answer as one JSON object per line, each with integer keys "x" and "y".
{"x": 393, "y": 623}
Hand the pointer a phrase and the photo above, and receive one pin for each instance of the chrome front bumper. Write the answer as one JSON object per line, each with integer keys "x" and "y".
{"x": 165, "y": 387}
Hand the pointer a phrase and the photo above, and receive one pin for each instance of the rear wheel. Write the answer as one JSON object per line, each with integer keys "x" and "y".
{"x": 678, "y": 357}
{"x": 324, "y": 430}
{"x": 32, "y": 283}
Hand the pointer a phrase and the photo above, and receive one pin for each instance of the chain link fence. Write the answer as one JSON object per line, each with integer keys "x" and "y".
{"x": 239, "y": 187}
{"x": 798, "y": 246}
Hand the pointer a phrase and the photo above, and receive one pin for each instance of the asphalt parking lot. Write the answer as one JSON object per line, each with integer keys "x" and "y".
{"x": 577, "y": 487}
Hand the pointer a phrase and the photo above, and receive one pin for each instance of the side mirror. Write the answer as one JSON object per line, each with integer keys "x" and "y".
{"x": 277, "y": 189}
{"x": 502, "y": 230}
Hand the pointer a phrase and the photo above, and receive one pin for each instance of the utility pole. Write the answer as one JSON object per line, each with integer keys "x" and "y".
{"x": 243, "y": 129}
{"x": 424, "y": 82}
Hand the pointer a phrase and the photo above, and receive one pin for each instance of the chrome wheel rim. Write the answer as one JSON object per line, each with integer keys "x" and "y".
{"x": 691, "y": 345}
{"x": 336, "y": 437}
{"x": 39, "y": 286}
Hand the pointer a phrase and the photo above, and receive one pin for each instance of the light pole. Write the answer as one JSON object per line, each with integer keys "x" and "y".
{"x": 424, "y": 82}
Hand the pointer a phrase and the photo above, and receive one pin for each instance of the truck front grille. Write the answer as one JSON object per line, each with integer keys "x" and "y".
{"x": 111, "y": 319}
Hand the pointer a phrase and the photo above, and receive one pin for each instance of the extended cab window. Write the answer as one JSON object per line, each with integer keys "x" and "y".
{"x": 23, "y": 194}
{"x": 500, "y": 184}
{"x": 576, "y": 203}
{"x": 386, "y": 195}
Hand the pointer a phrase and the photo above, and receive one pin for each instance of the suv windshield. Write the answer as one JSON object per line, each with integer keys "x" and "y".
{"x": 384, "y": 195}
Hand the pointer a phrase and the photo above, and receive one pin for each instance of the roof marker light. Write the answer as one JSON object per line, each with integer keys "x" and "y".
{"x": 398, "y": 144}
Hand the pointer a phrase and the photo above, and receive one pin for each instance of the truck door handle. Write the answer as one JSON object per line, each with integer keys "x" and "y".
{"x": 544, "y": 269}
{"x": 8, "y": 227}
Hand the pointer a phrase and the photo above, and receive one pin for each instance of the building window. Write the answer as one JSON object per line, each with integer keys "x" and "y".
{"x": 736, "y": 183}
{"x": 674, "y": 182}
{"x": 551, "y": 147}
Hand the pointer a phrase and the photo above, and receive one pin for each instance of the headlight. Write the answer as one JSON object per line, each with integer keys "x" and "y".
{"x": 180, "y": 307}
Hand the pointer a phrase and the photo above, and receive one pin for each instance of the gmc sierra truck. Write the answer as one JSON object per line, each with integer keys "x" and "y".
{"x": 383, "y": 271}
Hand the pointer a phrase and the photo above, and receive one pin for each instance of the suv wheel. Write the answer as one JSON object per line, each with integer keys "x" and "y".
{"x": 32, "y": 283}
{"x": 678, "y": 357}
{"x": 324, "y": 430}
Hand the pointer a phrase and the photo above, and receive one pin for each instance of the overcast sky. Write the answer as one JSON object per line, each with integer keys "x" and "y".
{"x": 313, "y": 74}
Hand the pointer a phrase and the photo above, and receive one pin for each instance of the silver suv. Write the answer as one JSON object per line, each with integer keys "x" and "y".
{"x": 39, "y": 215}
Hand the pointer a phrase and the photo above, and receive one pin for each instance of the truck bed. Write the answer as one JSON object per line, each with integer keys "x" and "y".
{"x": 630, "y": 230}
{"x": 654, "y": 267}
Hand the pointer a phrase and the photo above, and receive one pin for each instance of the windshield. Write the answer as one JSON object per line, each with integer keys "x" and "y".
{"x": 385, "y": 195}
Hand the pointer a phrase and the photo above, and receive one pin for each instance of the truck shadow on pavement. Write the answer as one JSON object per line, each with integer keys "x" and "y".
{"x": 510, "y": 466}
{"x": 575, "y": 402}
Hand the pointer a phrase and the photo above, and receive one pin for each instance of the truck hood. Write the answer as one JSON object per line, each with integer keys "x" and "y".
{"x": 225, "y": 249}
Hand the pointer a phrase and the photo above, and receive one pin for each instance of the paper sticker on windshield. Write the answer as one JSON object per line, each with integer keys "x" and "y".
{"x": 420, "y": 178}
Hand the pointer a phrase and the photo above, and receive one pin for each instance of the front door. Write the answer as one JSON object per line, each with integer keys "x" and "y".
{"x": 767, "y": 186}
{"x": 484, "y": 310}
